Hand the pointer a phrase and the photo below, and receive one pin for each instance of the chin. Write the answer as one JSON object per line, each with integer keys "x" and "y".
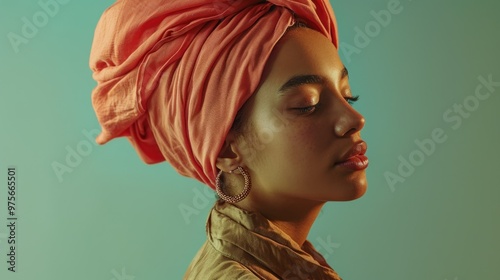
{"x": 354, "y": 190}
{"x": 359, "y": 192}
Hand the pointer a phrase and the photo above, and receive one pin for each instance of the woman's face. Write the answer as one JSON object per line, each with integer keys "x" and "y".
{"x": 299, "y": 125}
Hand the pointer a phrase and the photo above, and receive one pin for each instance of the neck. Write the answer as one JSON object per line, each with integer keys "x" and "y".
{"x": 292, "y": 216}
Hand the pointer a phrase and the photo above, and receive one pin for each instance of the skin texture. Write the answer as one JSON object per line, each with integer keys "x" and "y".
{"x": 288, "y": 147}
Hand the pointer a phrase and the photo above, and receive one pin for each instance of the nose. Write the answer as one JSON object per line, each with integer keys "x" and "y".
{"x": 348, "y": 121}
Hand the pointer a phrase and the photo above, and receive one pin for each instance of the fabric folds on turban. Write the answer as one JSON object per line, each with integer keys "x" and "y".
{"x": 171, "y": 75}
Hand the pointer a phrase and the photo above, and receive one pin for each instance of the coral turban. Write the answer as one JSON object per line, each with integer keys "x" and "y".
{"x": 171, "y": 75}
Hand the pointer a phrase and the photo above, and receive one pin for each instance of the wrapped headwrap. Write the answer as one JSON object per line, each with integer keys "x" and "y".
{"x": 172, "y": 75}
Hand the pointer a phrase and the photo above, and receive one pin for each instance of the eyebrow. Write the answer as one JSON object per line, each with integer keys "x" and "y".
{"x": 308, "y": 80}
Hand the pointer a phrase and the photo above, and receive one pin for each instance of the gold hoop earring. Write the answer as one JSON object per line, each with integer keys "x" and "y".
{"x": 236, "y": 198}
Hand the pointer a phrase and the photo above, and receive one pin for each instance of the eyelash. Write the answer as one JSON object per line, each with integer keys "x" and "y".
{"x": 309, "y": 109}
{"x": 352, "y": 99}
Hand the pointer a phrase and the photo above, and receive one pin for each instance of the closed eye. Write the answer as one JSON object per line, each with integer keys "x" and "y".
{"x": 352, "y": 99}
{"x": 305, "y": 110}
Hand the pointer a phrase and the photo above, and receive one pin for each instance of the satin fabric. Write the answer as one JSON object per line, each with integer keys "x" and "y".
{"x": 245, "y": 245}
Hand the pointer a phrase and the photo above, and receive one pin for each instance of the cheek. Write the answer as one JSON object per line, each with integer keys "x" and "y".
{"x": 296, "y": 144}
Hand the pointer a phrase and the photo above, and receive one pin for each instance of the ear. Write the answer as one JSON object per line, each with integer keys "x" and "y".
{"x": 229, "y": 157}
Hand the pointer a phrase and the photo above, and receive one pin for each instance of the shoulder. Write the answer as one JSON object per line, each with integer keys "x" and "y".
{"x": 211, "y": 264}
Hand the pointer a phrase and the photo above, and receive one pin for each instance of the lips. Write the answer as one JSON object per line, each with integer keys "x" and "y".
{"x": 355, "y": 158}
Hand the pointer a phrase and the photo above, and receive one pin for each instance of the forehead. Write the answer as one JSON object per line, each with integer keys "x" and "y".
{"x": 301, "y": 51}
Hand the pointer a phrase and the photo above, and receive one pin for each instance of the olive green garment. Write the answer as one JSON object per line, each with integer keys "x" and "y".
{"x": 245, "y": 245}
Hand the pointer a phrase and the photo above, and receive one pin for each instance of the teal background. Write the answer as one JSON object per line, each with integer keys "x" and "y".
{"x": 113, "y": 216}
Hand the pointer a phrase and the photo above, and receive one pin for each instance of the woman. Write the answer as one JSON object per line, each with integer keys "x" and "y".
{"x": 248, "y": 97}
